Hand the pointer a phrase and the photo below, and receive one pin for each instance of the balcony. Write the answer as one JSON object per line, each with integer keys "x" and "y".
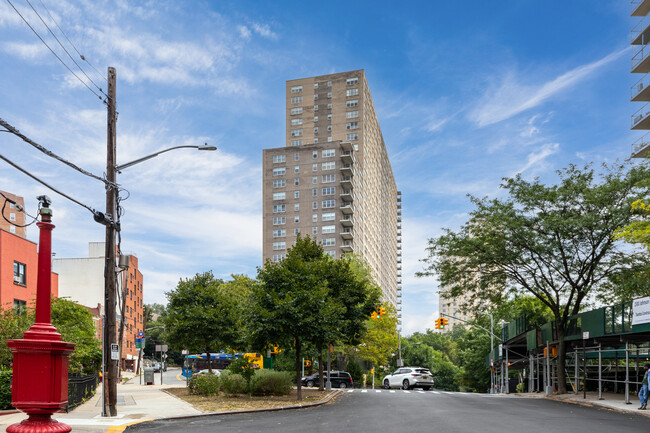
{"x": 346, "y": 145}
{"x": 347, "y": 208}
{"x": 641, "y": 60}
{"x": 399, "y": 247}
{"x": 346, "y": 194}
{"x": 399, "y": 211}
{"x": 347, "y": 221}
{"x": 640, "y": 8}
{"x": 399, "y": 295}
{"x": 641, "y": 147}
{"x": 347, "y": 247}
{"x": 399, "y": 302}
{"x": 346, "y": 182}
{"x": 640, "y": 34}
{"x": 347, "y": 233}
{"x": 399, "y": 315}
{"x": 399, "y": 267}
{"x": 347, "y": 170}
{"x": 399, "y": 225}
{"x": 347, "y": 156}
{"x": 399, "y": 260}
{"x": 640, "y": 91}
{"x": 399, "y": 205}
{"x": 399, "y": 220}
{"x": 641, "y": 119}
{"x": 399, "y": 253}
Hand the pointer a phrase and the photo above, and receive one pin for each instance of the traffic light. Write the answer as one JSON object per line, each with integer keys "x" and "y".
{"x": 374, "y": 315}
{"x": 443, "y": 322}
{"x": 307, "y": 363}
{"x": 438, "y": 323}
{"x": 381, "y": 312}
{"x": 275, "y": 350}
{"x": 372, "y": 371}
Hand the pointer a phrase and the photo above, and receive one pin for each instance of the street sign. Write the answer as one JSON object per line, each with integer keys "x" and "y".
{"x": 140, "y": 343}
{"x": 585, "y": 335}
{"x": 140, "y": 334}
{"x": 115, "y": 352}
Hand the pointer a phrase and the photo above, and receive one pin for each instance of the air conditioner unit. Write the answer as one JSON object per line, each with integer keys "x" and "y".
{"x": 17, "y": 279}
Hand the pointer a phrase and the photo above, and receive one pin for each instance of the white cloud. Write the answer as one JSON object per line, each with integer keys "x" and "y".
{"x": 511, "y": 97}
{"x": 538, "y": 157}
{"x": 264, "y": 30}
{"x": 26, "y": 51}
{"x": 244, "y": 32}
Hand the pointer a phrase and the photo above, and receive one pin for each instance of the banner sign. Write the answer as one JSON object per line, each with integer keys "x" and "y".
{"x": 641, "y": 311}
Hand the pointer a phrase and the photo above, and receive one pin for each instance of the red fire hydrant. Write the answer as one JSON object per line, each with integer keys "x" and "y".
{"x": 40, "y": 363}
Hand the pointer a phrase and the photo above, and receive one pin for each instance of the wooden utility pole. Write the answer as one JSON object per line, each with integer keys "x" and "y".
{"x": 111, "y": 366}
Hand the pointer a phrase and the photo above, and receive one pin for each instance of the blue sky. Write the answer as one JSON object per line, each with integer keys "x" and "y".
{"x": 466, "y": 93}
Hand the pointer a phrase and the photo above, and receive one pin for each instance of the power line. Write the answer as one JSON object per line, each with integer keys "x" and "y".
{"x": 62, "y": 46}
{"x": 55, "y": 55}
{"x": 49, "y": 153}
{"x": 19, "y": 208}
{"x": 93, "y": 211}
{"x": 81, "y": 56}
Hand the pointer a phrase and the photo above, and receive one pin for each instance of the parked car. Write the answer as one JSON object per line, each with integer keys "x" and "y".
{"x": 409, "y": 377}
{"x": 339, "y": 379}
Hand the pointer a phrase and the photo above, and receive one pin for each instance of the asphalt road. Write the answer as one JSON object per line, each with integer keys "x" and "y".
{"x": 417, "y": 411}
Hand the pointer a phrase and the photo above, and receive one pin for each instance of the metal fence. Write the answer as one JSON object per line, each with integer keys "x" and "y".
{"x": 80, "y": 389}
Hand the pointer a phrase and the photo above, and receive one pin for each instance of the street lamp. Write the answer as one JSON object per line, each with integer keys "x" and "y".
{"x": 111, "y": 220}
{"x": 400, "y": 363}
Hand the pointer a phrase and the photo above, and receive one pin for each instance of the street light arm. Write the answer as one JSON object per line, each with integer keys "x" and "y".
{"x": 153, "y": 155}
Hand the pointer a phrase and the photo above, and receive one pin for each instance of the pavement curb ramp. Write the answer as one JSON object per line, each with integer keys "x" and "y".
{"x": 333, "y": 394}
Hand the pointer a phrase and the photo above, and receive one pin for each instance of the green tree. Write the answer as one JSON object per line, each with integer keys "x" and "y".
{"x": 552, "y": 242}
{"x": 200, "y": 316}
{"x": 76, "y": 325}
{"x": 12, "y": 326}
{"x": 283, "y": 306}
{"x": 473, "y": 348}
{"x": 379, "y": 343}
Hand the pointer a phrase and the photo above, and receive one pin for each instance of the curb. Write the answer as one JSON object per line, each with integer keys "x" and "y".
{"x": 597, "y": 405}
{"x": 322, "y": 401}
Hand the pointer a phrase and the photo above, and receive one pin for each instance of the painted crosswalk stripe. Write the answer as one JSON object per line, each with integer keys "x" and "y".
{"x": 350, "y": 390}
{"x": 378, "y": 390}
{"x": 421, "y": 392}
{"x": 435, "y": 392}
{"x": 407, "y": 392}
{"x": 364, "y": 390}
{"x": 392, "y": 390}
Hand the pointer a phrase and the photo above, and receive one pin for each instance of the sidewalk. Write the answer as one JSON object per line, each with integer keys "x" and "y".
{"x": 136, "y": 403}
{"x": 610, "y": 401}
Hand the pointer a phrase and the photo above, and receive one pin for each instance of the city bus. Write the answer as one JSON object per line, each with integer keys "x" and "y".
{"x": 219, "y": 361}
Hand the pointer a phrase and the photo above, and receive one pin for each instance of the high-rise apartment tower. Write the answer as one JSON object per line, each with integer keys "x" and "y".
{"x": 640, "y": 92}
{"x": 333, "y": 180}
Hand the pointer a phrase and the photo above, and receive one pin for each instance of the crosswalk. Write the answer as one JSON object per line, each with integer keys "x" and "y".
{"x": 416, "y": 391}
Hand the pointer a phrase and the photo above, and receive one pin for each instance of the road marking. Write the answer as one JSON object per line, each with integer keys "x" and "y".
{"x": 350, "y": 390}
{"x": 392, "y": 390}
{"x": 435, "y": 392}
{"x": 364, "y": 390}
{"x": 421, "y": 392}
{"x": 407, "y": 392}
{"x": 378, "y": 390}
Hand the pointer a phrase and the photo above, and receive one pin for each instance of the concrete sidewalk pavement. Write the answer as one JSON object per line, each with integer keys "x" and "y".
{"x": 136, "y": 403}
{"x": 610, "y": 401}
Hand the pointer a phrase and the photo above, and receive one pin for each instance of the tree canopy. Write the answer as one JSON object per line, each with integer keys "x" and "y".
{"x": 554, "y": 242}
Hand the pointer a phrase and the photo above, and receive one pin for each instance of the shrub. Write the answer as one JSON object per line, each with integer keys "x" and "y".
{"x": 204, "y": 384}
{"x": 269, "y": 382}
{"x": 244, "y": 368}
{"x": 232, "y": 383}
{"x": 5, "y": 389}
{"x": 355, "y": 370}
{"x": 521, "y": 387}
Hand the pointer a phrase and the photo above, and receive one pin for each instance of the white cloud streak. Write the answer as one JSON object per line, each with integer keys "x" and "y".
{"x": 512, "y": 97}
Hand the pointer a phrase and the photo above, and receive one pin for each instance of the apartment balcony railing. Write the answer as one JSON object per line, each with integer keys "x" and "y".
{"x": 641, "y": 147}
{"x": 399, "y": 205}
{"x": 640, "y": 91}
{"x": 640, "y": 8}
{"x": 399, "y": 211}
{"x": 346, "y": 181}
{"x": 347, "y": 169}
{"x": 641, "y": 119}
{"x": 348, "y": 156}
{"x": 399, "y": 267}
{"x": 347, "y": 221}
{"x": 346, "y": 145}
{"x": 347, "y": 208}
{"x": 346, "y": 194}
{"x": 399, "y": 260}
{"x": 347, "y": 247}
{"x": 347, "y": 233}
{"x": 641, "y": 60}
{"x": 399, "y": 294}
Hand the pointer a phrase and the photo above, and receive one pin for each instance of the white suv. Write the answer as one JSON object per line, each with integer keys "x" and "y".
{"x": 409, "y": 377}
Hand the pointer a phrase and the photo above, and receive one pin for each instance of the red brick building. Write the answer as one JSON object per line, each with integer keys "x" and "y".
{"x": 18, "y": 271}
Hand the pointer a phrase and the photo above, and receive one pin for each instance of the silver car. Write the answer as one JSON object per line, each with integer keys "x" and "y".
{"x": 409, "y": 377}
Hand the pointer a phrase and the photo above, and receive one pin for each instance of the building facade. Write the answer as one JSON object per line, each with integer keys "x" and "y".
{"x": 82, "y": 280}
{"x": 640, "y": 92}
{"x": 13, "y": 220}
{"x": 333, "y": 180}
{"x": 19, "y": 272}
{"x": 451, "y": 309}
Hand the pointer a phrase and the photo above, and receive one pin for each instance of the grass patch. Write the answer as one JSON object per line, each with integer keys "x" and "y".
{"x": 220, "y": 403}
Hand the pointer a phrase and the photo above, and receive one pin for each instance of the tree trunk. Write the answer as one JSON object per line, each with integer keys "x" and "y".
{"x": 207, "y": 356}
{"x": 561, "y": 358}
{"x": 298, "y": 367}
{"x": 321, "y": 379}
